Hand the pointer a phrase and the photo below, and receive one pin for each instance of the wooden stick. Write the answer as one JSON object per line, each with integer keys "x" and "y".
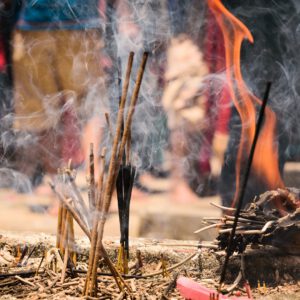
{"x": 86, "y": 288}
{"x": 59, "y": 223}
{"x": 63, "y": 228}
{"x": 130, "y": 113}
{"x": 242, "y": 190}
{"x": 115, "y": 163}
{"x": 65, "y": 233}
{"x": 111, "y": 177}
{"x": 112, "y": 165}
{"x": 66, "y": 255}
{"x": 71, "y": 239}
{"x": 25, "y": 281}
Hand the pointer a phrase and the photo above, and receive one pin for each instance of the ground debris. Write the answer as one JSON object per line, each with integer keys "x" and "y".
{"x": 281, "y": 277}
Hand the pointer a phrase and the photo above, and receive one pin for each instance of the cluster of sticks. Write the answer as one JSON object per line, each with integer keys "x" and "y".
{"x": 249, "y": 228}
{"x": 92, "y": 220}
{"x": 261, "y": 223}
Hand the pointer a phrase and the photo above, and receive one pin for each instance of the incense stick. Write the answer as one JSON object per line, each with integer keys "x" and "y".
{"x": 244, "y": 183}
{"x": 86, "y": 288}
{"x": 59, "y": 223}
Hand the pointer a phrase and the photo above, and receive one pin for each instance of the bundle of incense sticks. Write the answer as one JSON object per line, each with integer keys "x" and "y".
{"x": 92, "y": 220}
{"x": 65, "y": 236}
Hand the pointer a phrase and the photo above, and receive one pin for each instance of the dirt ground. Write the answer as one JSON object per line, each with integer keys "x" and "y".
{"x": 203, "y": 267}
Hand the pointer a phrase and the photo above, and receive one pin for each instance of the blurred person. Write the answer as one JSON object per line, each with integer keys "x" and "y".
{"x": 59, "y": 83}
{"x": 195, "y": 101}
{"x": 136, "y": 28}
{"x": 149, "y": 131}
{"x": 8, "y": 16}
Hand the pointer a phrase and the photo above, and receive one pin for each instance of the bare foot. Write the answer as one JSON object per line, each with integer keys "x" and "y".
{"x": 182, "y": 193}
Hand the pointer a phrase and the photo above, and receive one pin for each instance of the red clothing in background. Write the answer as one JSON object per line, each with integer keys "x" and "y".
{"x": 218, "y": 108}
{"x": 2, "y": 56}
{"x": 218, "y": 98}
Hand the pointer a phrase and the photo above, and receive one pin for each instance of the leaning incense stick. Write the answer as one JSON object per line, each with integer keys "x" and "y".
{"x": 78, "y": 200}
{"x": 244, "y": 184}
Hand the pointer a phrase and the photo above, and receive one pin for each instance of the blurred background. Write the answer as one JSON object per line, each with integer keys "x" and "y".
{"x": 62, "y": 66}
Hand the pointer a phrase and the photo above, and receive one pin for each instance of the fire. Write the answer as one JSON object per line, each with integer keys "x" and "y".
{"x": 265, "y": 161}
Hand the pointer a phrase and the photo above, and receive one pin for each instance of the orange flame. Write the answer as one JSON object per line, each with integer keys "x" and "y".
{"x": 265, "y": 161}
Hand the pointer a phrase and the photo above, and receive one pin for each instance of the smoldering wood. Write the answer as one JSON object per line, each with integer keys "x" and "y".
{"x": 263, "y": 224}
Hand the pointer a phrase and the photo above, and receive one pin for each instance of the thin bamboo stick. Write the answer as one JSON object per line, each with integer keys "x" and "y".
{"x": 71, "y": 239}
{"x": 111, "y": 177}
{"x": 63, "y": 228}
{"x": 79, "y": 202}
{"x": 59, "y": 223}
{"x": 114, "y": 165}
{"x": 86, "y": 288}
